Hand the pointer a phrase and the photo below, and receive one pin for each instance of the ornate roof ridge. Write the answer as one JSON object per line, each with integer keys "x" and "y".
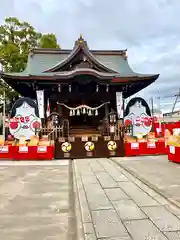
{"x": 79, "y": 45}
{"x": 67, "y": 51}
{"x": 79, "y": 41}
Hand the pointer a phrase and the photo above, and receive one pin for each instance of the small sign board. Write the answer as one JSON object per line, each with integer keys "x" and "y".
{"x": 112, "y": 153}
{"x": 71, "y": 139}
{"x": 89, "y": 154}
{"x": 84, "y": 139}
{"x": 107, "y": 138}
{"x": 23, "y": 149}
{"x": 42, "y": 149}
{"x": 151, "y": 145}
{"x": 116, "y": 138}
{"x": 134, "y": 145}
{"x": 61, "y": 139}
{"x": 66, "y": 155}
{"x": 94, "y": 138}
{"x": 4, "y": 149}
{"x": 172, "y": 149}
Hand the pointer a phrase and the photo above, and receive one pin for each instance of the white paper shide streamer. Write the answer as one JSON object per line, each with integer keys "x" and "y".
{"x": 119, "y": 104}
{"x": 40, "y": 101}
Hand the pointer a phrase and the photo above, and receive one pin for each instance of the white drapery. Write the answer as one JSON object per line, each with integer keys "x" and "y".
{"x": 40, "y": 101}
{"x": 119, "y": 104}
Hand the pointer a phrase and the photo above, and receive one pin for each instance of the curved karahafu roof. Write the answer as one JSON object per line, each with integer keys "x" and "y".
{"x": 107, "y": 66}
{"x": 80, "y": 45}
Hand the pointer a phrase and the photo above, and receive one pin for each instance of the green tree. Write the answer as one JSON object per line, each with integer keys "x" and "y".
{"x": 48, "y": 41}
{"x": 16, "y": 40}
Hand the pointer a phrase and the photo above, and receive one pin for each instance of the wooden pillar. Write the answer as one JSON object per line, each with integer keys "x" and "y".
{"x": 106, "y": 120}
{"x": 59, "y": 110}
{"x": 44, "y": 120}
{"x": 106, "y": 111}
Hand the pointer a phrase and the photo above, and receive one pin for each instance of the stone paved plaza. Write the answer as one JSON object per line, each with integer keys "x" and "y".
{"x": 156, "y": 171}
{"x": 34, "y": 201}
{"x": 90, "y": 199}
{"x": 116, "y": 205}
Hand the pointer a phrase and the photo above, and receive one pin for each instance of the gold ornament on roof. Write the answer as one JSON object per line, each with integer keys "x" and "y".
{"x": 81, "y": 40}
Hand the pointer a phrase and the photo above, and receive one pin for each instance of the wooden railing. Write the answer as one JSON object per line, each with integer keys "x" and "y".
{"x": 52, "y": 133}
{"x": 57, "y": 132}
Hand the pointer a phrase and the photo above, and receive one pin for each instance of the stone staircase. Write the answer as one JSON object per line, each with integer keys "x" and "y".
{"x": 79, "y": 131}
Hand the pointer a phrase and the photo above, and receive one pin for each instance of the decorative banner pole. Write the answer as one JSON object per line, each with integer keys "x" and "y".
{"x": 152, "y": 109}
{"x": 48, "y": 111}
{"x": 123, "y": 126}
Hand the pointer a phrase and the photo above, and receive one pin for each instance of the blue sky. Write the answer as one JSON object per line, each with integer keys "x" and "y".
{"x": 149, "y": 29}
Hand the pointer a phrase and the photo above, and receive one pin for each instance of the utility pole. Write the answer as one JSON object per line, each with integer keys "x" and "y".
{"x": 174, "y": 105}
{"x": 152, "y": 109}
{"x": 152, "y": 106}
{"x": 4, "y": 113}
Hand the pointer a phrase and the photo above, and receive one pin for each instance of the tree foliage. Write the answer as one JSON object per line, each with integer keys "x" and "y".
{"x": 16, "y": 40}
{"x": 48, "y": 41}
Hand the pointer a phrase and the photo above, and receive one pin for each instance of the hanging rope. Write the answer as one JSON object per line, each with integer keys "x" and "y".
{"x": 83, "y": 106}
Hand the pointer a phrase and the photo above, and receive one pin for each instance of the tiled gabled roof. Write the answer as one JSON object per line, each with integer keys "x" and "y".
{"x": 41, "y": 61}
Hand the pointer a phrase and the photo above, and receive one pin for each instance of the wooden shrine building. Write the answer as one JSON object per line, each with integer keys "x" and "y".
{"x": 81, "y": 86}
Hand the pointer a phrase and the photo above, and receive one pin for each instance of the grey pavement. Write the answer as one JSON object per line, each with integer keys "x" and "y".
{"x": 34, "y": 201}
{"x": 115, "y": 205}
{"x": 118, "y": 199}
{"x": 157, "y": 172}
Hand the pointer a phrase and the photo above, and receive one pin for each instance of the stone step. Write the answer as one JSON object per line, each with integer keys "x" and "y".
{"x": 84, "y": 131}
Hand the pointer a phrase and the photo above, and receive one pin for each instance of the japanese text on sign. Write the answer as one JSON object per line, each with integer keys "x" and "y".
{"x": 20, "y": 119}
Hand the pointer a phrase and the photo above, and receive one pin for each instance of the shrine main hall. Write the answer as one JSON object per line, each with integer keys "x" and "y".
{"x": 81, "y": 86}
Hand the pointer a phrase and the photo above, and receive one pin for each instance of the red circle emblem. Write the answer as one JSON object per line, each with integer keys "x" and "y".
{"x": 36, "y": 125}
{"x": 128, "y": 122}
{"x": 147, "y": 122}
{"x": 13, "y": 125}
